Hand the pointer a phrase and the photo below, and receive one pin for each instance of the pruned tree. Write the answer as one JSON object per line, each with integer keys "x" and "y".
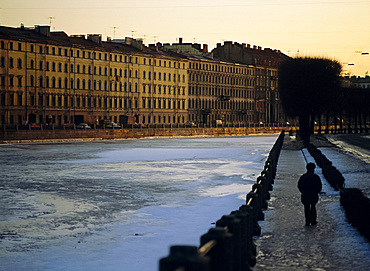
{"x": 308, "y": 87}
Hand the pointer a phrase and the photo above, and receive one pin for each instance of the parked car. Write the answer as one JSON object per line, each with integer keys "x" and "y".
{"x": 112, "y": 125}
{"x": 34, "y": 126}
{"x": 190, "y": 124}
{"x": 83, "y": 126}
{"x": 139, "y": 125}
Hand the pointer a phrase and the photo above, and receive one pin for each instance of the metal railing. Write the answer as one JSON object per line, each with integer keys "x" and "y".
{"x": 229, "y": 245}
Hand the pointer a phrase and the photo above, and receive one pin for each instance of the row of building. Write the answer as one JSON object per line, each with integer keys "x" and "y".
{"x": 53, "y": 78}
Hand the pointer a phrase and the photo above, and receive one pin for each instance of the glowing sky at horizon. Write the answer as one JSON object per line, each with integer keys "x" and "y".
{"x": 336, "y": 29}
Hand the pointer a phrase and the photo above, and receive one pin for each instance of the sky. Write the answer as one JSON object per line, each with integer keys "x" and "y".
{"x": 337, "y": 29}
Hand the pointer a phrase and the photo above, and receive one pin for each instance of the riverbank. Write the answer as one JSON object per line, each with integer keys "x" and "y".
{"x": 29, "y": 136}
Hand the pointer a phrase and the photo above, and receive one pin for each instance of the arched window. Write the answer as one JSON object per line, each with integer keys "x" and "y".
{"x": 53, "y": 82}
{"x": 59, "y": 82}
{"x": 41, "y": 82}
{"x": 65, "y": 83}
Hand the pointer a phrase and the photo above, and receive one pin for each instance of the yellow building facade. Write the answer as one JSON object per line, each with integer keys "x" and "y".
{"x": 51, "y": 78}
{"x": 220, "y": 92}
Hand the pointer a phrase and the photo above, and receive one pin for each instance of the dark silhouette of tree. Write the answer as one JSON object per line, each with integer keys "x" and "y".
{"x": 308, "y": 88}
{"x": 355, "y": 104}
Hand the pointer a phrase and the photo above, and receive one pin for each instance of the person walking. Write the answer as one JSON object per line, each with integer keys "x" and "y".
{"x": 310, "y": 186}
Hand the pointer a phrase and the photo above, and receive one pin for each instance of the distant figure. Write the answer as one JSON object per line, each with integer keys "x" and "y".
{"x": 310, "y": 186}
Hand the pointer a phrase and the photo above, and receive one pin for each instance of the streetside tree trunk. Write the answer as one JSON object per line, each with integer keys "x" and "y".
{"x": 335, "y": 123}
{"x": 304, "y": 126}
{"x": 327, "y": 123}
{"x": 319, "y": 121}
{"x": 312, "y": 123}
{"x": 349, "y": 124}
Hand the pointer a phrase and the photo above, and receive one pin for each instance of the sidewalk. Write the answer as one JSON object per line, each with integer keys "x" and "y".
{"x": 286, "y": 244}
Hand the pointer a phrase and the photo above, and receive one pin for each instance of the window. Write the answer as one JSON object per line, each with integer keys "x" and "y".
{"x": 32, "y": 81}
{"x": 11, "y": 63}
{"x": 19, "y": 81}
{"x": 19, "y": 63}
{"x": 19, "y": 99}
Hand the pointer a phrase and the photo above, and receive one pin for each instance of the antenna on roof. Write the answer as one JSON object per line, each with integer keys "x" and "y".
{"x": 114, "y": 31}
{"x": 51, "y": 18}
{"x": 132, "y": 33}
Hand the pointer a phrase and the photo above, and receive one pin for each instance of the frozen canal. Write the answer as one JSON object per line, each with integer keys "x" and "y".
{"x": 118, "y": 205}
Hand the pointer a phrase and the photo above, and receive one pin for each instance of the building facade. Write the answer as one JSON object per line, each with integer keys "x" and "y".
{"x": 266, "y": 61}
{"x": 219, "y": 91}
{"x": 51, "y": 78}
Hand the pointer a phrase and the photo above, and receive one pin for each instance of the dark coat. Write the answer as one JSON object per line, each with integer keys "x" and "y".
{"x": 310, "y": 186}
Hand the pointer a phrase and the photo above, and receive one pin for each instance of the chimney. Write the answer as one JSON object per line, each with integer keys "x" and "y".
{"x": 94, "y": 38}
{"x": 180, "y": 40}
{"x": 255, "y": 47}
{"x": 248, "y": 46}
{"x": 205, "y": 48}
{"x": 43, "y": 29}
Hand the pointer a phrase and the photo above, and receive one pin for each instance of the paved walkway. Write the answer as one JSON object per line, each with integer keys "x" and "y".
{"x": 286, "y": 244}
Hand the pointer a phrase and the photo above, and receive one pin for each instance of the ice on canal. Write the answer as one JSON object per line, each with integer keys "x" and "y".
{"x": 118, "y": 205}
